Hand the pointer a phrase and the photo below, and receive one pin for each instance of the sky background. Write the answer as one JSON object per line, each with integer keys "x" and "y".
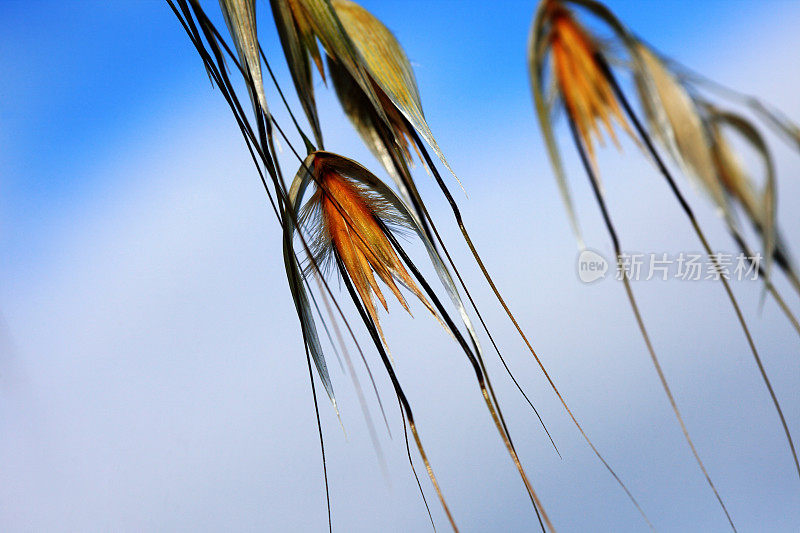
{"x": 152, "y": 375}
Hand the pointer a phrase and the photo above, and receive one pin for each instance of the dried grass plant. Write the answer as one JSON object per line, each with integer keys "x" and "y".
{"x": 341, "y": 222}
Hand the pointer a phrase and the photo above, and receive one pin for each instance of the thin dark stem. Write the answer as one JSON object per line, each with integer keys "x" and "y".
{"x": 494, "y": 409}
{"x": 414, "y": 470}
{"x": 459, "y": 221}
{"x": 255, "y": 144}
{"x": 340, "y": 339}
{"x": 309, "y": 145}
{"x": 401, "y": 396}
{"x": 425, "y": 215}
{"x": 356, "y": 384}
{"x": 767, "y": 281}
{"x": 321, "y": 440}
{"x": 325, "y": 326}
{"x": 222, "y": 81}
{"x": 701, "y": 236}
{"x": 629, "y": 292}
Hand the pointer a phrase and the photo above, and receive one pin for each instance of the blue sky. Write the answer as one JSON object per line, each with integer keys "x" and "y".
{"x": 153, "y": 377}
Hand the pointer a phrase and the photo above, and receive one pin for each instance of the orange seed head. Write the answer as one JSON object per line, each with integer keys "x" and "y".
{"x": 344, "y": 217}
{"x": 585, "y": 90}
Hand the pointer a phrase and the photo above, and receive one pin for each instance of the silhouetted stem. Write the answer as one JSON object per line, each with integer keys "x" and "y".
{"x": 321, "y": 440}
{"x": 423, "y": 214}
{"x": 468, "y": 240}
{"x": 414, "y": 470}
{"x": 494, "y": 410}
{"x": 629, "y": 292}
{"x": 395, "y": 384}
{"x": 701, "y": 236}
{"x": 767, "y": 282}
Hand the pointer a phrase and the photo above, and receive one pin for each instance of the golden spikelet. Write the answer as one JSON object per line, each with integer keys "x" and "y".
{"x": 587, "y": 95}
{"x": 348, "y": 222}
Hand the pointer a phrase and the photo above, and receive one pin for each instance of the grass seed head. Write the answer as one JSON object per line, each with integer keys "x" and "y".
{"x": 580, "y": 80}
{"x": 349, "y": 221}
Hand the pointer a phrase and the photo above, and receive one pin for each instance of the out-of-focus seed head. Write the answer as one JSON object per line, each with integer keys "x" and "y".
{"x": 584, "y": 89}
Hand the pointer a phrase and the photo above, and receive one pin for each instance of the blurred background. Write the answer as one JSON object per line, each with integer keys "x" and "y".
{"x": 152, "y": 375}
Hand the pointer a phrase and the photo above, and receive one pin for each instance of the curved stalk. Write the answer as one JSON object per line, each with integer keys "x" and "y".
{"x": 414, "y": 470}
{"x": 494, "y": 410}
{"x": 459, "y": 220}
{"x": 629, "y": 292}
{"x": 701, "y": 236}
{"x": 396, "y": 385}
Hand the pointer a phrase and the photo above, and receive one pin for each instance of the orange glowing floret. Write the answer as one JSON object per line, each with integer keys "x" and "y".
{"x": 584, "y": 88}
{"x": 344, "y": 216}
